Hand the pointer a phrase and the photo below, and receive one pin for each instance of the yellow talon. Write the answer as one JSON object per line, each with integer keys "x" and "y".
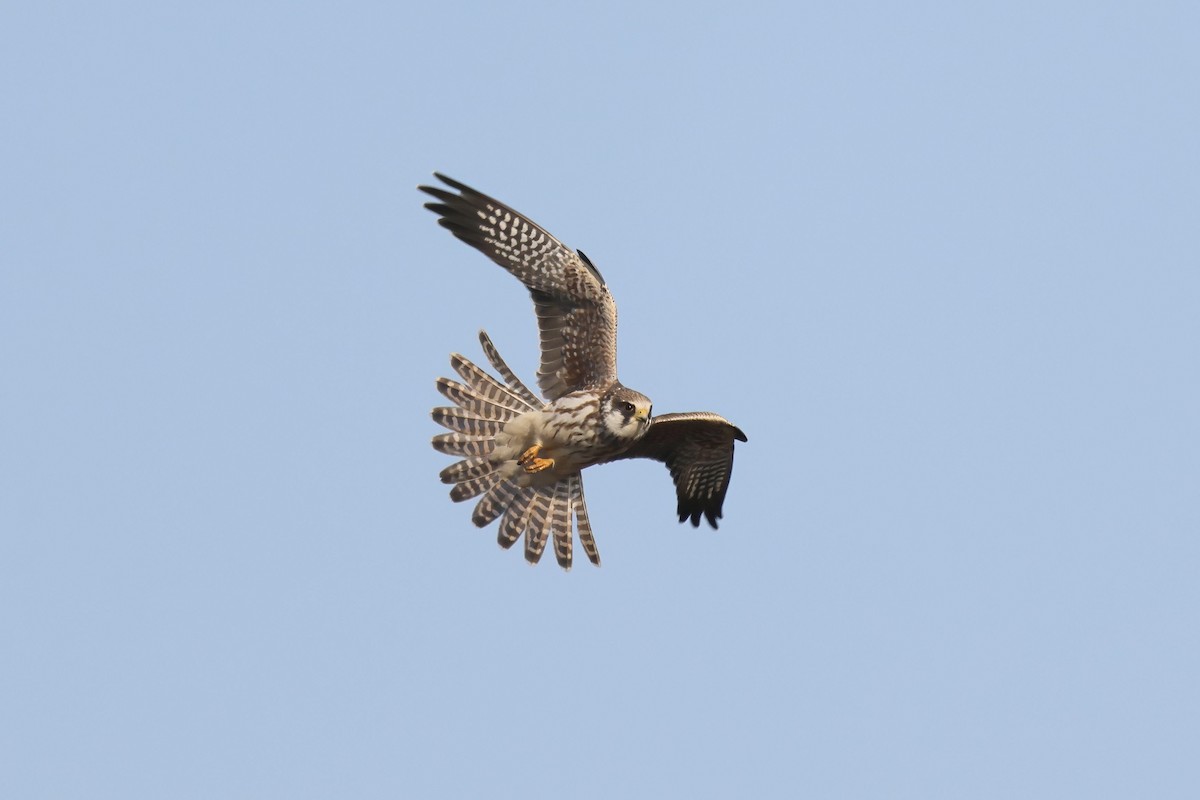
{"x": 530, "y": 461}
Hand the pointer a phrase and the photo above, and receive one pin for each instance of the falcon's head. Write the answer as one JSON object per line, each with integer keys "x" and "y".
{"x": 626, "y": 413}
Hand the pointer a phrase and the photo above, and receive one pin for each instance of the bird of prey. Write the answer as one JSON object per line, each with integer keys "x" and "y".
{"x": 524, "y": 454}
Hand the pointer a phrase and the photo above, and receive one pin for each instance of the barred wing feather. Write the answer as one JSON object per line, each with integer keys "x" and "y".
{"x": 697, "y": 448}
{"x": 576, "y": 314}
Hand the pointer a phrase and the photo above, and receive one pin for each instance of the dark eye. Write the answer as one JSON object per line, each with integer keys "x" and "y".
{"x": 627, "y": 407}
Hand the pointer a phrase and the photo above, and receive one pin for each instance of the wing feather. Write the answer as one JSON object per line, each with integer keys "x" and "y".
{"x": 575, "y": 311}
{"x": 697, "y": 448}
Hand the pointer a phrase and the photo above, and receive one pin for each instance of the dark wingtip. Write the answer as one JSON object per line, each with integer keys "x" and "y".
{"x": 737, "y": 434}
{"x": 710, "y": 515}
{"x": 588, "y": 263}
{"x": 446, "y": 179}
{"x": 424, "y": 187}
{"x": 440, "y": 194}
{"x": 437, "y": 191}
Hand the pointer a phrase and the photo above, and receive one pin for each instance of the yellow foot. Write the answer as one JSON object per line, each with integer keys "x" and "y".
{"x": 530, "y": 461}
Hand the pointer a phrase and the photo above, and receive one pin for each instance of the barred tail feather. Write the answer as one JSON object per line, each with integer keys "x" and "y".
{"x": 481, "y": 406}
{"x": 473, "y": 487}
{"x": 459, "y": 444}
{"x": 466, "y": 469}
{"x": 514, "y": 383}
{"x": 486, "y": 386}
{"x": 515, "y": 518}
{"x": 582, "y": 523}
{"x": 477, "y": 404}
{"x": 541, "y": 514}
{"x": 560, "y": 523}
{"x": 461, "y": 421}
{"x": 539, "y": 523}
{"x": 493, "y": 504}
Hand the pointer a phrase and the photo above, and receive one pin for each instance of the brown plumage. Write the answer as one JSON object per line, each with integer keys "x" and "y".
{"x": 576, "y": 314}
{"x": 523, "y": 456}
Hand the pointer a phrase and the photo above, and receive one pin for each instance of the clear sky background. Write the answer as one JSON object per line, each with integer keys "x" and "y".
{"x": 938, "y": 260}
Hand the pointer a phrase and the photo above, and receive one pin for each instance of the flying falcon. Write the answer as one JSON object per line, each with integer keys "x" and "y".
{"x": 524, "y": 455}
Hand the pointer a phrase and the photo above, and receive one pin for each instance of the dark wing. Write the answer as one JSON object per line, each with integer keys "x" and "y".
{"x": 576, "y": 313}
{"x": 698, "y": 450}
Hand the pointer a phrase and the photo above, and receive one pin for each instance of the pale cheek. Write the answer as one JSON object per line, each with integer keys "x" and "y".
{"x": 617, "y": 423}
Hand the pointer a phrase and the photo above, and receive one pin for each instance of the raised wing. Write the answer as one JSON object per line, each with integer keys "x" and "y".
{"x": 576, "y": 314}
{"x": 698, "y": 450}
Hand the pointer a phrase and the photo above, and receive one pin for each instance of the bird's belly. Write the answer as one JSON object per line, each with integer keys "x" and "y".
{"x": 566, "y": 435}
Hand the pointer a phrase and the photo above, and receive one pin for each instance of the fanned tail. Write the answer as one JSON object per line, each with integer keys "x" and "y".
{"x": 482, "y": 406}
{"x": 545, "y": 514}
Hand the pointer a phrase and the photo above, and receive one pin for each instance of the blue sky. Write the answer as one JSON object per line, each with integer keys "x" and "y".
{"x": 938, "y": 260}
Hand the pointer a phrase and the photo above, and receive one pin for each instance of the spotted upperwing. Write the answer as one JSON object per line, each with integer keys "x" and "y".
{"x": 576, "y": 313}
